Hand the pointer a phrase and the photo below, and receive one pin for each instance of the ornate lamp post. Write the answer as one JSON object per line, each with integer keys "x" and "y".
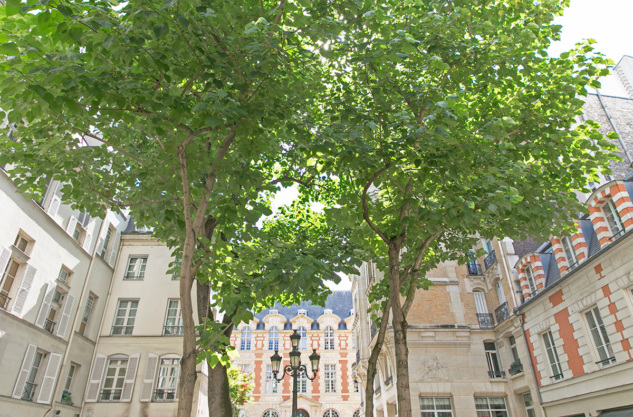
{"x": 295, "y": 369}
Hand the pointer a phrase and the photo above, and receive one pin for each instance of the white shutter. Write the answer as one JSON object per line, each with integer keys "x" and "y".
{"x": 500, "y": 295}
{"x": 87, "y": 242}
{"x": 23, "y": 291}
{"x": 100, "y": 246}
{"x": 115, "y": 248}
{"x": 480, "y": 302}
{"x": 5, "y": 255}
{"x": 27, "y": 363}
{"x": 130, "y": 376}
{"x": 148, "y": 378}
{"x": 46, "y": 305}
{"x": 72, "y": 225}
{"x": 92, "y": 391}
{"x": 65, "y": 320}
{"x": 50, "y": 376}
{"x": 54, "y": 206}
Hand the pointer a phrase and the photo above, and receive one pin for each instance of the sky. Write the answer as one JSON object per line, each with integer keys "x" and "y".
{"x": 606, "y": 21}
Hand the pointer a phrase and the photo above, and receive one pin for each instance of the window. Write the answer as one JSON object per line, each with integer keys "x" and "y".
{"x": 273, "y": 339}
{"x": 8, "y": 278}
{"x": 570, "y": 254}
{"x": 494, "y": 368}
{"x": 270, "y": 413}
{"x": 22, "y": 243}
{"x": 613, "y": 218}
{"x": 245, "y": 339}
{"x": 329, "y": 338}
{"x": 552, "y": 356}
{"x": 136, "y": 268}
{"x": 356, "y": 387}
{"x": 114, "y": 379}
{"x": 107, "y": 241}
{"x": 436, "y": 407}
{"x": 330, "y": 378}
{"x": 331, "y": 413}
{"x": 271, "y": 382}
{"x": 176, "y": 267}
{"x": 530, "y": 279}
{"x": 491, "y": 407}
{"x": 125, "y": 317}
{"x": 30, "y": 385}
{"x": 600, "y": 337}
{"x": 66, "y": 394}
{"x": 167, "y": 380}
{"x": 245, "y": 368}
{"x": 529, "y": 405}
{"x": 64, "y": 274}
{"x": 513, "y": 349}
{"x": 90, "y": 304}
{"x": 302, "y": 383}
{"x": 303, "y": 342}
{"x": 55, "y": 310}
{"x": 173, "y": 321}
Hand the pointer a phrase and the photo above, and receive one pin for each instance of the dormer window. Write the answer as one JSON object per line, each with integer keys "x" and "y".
{"x": 570, "y": 254}
{"x": 302, "y": 312}
{"x": 612, "y": 217}
{"x": 530, "y": 279}
{"x": 327, "y": 311}
{"x": 273, "y": 312}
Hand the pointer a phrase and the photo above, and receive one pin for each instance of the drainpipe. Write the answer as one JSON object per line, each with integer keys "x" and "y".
{"x": 75, "y": 320}
{"x": 615, "y": 129}
{"x": 507, "y": 271}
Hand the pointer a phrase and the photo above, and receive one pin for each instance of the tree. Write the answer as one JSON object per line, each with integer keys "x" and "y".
{"x": 448, "y": 120}
{"x": 242, "y": 386}
{"x": 182, "y": 111}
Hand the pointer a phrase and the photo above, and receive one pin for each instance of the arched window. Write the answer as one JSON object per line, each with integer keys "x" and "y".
{"x": 483, "y": 317}
{"x": 329, "y": 338}
{"x": 270, "y": 413}
{"x": 530, "y": 279}
{"x": 245, "y": 342}
{"x": 303, "y": 342}
{"x": 331, "y": 413}
{"x": 167, "y": 380}
{"x": 612, "y": 217}
{"x": 273, "y": 339}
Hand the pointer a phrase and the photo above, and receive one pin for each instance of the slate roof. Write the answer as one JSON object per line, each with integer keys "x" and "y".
{"x": 340, "y": 302}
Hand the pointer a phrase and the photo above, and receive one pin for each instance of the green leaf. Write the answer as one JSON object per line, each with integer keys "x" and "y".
{"x": 9, "y": 49}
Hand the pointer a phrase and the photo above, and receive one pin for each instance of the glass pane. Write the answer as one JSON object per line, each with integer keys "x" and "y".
{"x": 443, "y": 403}
{"x": 481, "y": 403}
{"x": 426, "y": 403}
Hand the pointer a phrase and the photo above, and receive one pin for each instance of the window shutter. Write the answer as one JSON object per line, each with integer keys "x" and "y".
{"x": 92, "y": 391}
{"x": 23, "y": 291}
{"x": 114, "y": 250}
{"x": 102, "y": 236}
{"x": 148, "y": 378}
{"x": 5, "y": 255}
{"x": 65, "y": 320}
{"x": 46, "y": 305}
{"x": 130, "y": 376}
{"x": 72, "y": 224}
{"x": 54, "y": 206}
{"x": 24, "y": 371}
{"x": 87, "y": 242}
{"x": 50, "y": 376}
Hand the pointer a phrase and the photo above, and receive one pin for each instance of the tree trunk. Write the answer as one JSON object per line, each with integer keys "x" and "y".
{"x": 188, "y": 376}
{"x": 372, "y": 363}
{"x": 399, "y": 333}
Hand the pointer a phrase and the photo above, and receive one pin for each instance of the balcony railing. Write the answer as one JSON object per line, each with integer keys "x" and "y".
{"x": 110, "y": 394}
{"x": 474, "y": 268}
{"x": 138, "y": 276}
{"x": 29, "y": 390}
{"x": 49, "y": 326}
{"x": 4, "y": 301}
{"x": 556, "y": 377}
{"x": 515, "y": 368}
{"x": 373, "y": 331}
{"x": 617, "y": 234}
{"x": 502, "y": 313}
{"x": 389, "y": 380}
{"x": 122, "y": 330}
{"x": 496, "y": 374}
{"x": 606, "y": 361}
{"x": 490, "y": 260}
{"x": 164, "y": 395}
{"x": 377, "y": 391}
{"x": 485, "y": 320}
{"x": 172, "y": 331}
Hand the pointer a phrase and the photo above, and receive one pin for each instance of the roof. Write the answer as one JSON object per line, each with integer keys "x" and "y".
{"x": 340, "y": 302}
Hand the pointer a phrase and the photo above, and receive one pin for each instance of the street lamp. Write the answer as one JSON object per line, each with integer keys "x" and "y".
{"x": 295, "y": 369}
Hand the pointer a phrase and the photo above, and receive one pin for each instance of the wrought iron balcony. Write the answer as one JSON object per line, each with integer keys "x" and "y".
{"x": 474, "y": 268}
{"x": 49, "y": 326}
{"x": 29, "y": 390}
{"x": 485, "y": 320}
{"x": 164, "y": 395}
{"x": 490, "y": 260}
{"x": 502, "y": 313}
{"x": 4, "y": 301}
{"x": 122, "y": 330}
{"x": 557, "y": 377}
{"x": 110, "y": 395}
{"x": 174, "y": 331}
{"x": 389, "y": 380}
{"x": 606, "y": 361}
{"x": 496, "y": 374}
{"x": 515, "y": 368}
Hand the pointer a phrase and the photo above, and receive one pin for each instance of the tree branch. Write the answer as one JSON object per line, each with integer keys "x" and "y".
{"x": 366, "y": 208}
